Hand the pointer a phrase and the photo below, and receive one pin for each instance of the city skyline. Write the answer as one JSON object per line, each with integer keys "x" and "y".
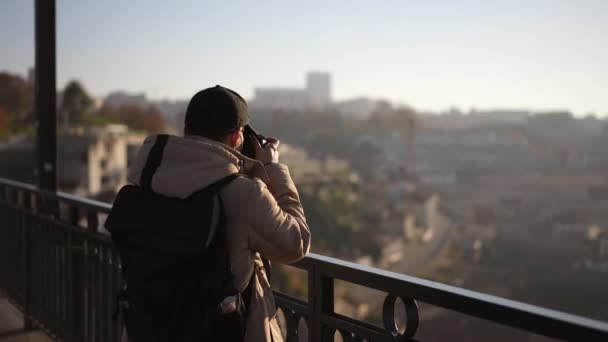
{"x": 535, "y": 55}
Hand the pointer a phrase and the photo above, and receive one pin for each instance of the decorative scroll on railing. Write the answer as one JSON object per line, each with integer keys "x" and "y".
{"x": 61, "y": 270}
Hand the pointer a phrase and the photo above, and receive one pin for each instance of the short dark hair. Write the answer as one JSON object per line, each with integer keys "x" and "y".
{"x": 215, "y": 112}
{"x": 206, "y": 133}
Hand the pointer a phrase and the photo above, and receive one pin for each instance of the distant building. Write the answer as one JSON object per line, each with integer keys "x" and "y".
{"x": 316, "y": 95}
{"x": 31, "y": 75}
{"x": 597, "y": 192}
{"x": 291, "y": 99}
{"x": 455, "y": 119}
{"x": 93, "y": 161}
{"x": 357, "y": 108}
{"x": 306, "y": 168}
{"x": 172, "y": 110}
{"x": 120, "y": 98}
{"x": 318, "y": 86}
{"x": 558, "y": 129}
{"x": 174, "y": 113}
{"x": 421, "y": 215}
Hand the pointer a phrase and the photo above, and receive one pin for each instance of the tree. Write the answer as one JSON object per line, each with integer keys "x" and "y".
{"x": 4, "y": 121}
{"x": 16, "y": 97}
{"x": 148, "y": 119}
{"x": 76, "y": 103}
{"x": 404, "y": 120}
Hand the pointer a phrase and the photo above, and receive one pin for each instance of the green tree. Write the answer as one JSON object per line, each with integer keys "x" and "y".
{"x": 76, "y": 103}
{"x": 148, "y": 119}
{"x": 16, "y": 98}
{"x": 4, "y": 122}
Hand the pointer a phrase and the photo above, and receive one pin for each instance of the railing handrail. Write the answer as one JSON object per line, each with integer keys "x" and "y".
{"x": 517, "y": 314}
{"x": 81, "y": 202}
{"x": 508, "y": 312}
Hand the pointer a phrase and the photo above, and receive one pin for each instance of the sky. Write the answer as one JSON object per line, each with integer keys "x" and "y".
{"x": 522, "y": 54}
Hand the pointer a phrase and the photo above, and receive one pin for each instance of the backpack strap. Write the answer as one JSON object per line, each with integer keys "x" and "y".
{"x": 224, "y": 181}
{"x": 267, "y": 268}
{"x": 218, "y": 207}
{"x": 155, "y": 156}
{"x": 247, "y": 293}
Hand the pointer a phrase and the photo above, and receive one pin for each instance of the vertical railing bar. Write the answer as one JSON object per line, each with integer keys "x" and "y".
{"x": 86, "y": 288}
{"x": 44, "y": 260}
{"x": 45, "y": 277}
{"x": 314, "y": 332}
{"x": 56, "y": 287}
{"x": 36, "y": 274}
{"x": 70, "y": 293}
{"x": 49, "y": 287}
{"x": 92, "y": 220}
{"x": 18, "y": 196}
{"x": 62, "y": 286}
{"x": 326, "y": 291}
{"x": 88, "y": 274}
{"x": 107, "y": 298}
{"x": 90, "y": 288}
{"x": 25, "y": 260}
{"x": 320, "y": 301}
{"x": 45, "y": 317}
{"x": 117, "y": 285}
{"x": 112, "y": 293}
{"x": 108, "y": 295}
{"x": 93, "y": 288}
{"x": 73, "y": 215}
{"x": 13, "y": 197}
{"x": 98, "y": 293}
{"x": 53, "y": 288}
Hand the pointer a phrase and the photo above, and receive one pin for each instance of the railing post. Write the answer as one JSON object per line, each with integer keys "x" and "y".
{"x": 320, "y": 301}
{"x": 46, "y": 95}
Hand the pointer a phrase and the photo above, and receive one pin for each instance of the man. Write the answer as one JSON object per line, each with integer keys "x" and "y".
{"x": 264, "y": 214}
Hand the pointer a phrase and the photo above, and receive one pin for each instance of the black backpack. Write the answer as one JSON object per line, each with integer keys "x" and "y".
{"x": 175, "y": 262}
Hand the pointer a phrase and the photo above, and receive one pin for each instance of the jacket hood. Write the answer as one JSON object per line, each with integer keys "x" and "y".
{"x": 191, "y": 163}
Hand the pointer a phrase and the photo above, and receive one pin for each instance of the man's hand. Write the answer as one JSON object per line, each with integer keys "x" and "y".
{"x": 267, "y": 154}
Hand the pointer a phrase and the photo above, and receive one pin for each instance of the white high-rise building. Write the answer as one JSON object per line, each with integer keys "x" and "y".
{"x": 318, "y": 85}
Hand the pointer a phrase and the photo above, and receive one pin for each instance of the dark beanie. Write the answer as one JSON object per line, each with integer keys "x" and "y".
{"x": 215, "y": 111}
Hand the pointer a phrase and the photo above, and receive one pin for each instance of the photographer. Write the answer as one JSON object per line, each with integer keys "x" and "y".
{"x": 264, "y": 218}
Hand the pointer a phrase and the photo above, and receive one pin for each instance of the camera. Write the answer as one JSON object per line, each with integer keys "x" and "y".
{"x": 248, "y": 148}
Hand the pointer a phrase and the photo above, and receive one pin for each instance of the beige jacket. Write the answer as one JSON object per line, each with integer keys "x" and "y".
{"x": 264, "y": 214}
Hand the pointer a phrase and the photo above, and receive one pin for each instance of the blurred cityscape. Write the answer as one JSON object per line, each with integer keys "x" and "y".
{"x": 509, "y": 202}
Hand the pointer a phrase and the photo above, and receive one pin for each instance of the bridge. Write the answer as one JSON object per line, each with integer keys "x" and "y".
{"x": 60, "y": 272}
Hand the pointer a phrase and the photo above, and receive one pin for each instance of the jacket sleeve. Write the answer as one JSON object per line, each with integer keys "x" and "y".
{"x": 279, "y": 229}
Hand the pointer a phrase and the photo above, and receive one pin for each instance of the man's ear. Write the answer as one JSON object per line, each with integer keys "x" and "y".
{"x": 233, "y": 137}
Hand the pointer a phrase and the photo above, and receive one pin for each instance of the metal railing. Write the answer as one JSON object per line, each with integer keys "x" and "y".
{"x": 61, "y": 270}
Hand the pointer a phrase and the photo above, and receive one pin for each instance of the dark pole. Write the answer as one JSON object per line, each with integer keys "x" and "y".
{"x": 46, "y": 98}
